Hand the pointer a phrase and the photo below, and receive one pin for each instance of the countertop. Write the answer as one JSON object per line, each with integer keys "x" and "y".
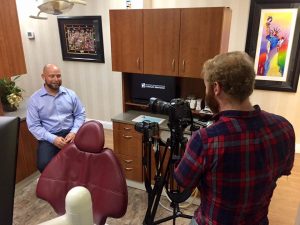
{"x": 127, "y": 117}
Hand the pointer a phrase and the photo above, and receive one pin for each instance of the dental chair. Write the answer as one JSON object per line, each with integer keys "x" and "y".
{"x": 86, "y": 162}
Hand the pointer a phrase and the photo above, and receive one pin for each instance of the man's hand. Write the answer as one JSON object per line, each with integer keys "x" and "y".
{"x": 70, "y": 137}
{"x": 59, "y": 142}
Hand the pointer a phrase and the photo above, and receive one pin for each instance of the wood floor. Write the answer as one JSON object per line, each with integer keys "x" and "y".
{"x": 29, "y": 210}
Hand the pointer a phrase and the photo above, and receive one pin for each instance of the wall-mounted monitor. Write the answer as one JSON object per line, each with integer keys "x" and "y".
{"x": 143, "y": 87}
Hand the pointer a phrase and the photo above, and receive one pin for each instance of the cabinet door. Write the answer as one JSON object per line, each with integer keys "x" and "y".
{"x": 161, "y": 41}
{"x": 26, "y": 162}
{"x": 126, "y": 32}
{"x": 204, "y": 33}
{"x": 11, "y": 49}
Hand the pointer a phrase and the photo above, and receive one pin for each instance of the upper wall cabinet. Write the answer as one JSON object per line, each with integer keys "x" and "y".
{"x": 204, "y": 33}
{"x": 175, "y": 42}
{"x": 126, "y": 31}
{"x": 12, "y": 60}
{"x": 161, "y": 41}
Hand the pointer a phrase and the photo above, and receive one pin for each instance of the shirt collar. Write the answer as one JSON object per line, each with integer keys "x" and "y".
{"x": 238, "y": 114}
{"x": 44, "y": 92}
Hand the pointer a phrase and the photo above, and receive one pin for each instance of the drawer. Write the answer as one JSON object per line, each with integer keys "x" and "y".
{"x": 132, "y": 167}
{"x": 126, "y": 129}
{"x": 127, "y": 144}
{"x": 126, "y": 140}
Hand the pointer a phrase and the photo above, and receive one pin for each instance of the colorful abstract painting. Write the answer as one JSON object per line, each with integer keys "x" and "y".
{"x": 275, "y": 37}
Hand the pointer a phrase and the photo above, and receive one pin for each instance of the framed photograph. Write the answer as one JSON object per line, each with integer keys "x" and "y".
{"x": 81, "y": 38}
{"x": 273, "y": 41}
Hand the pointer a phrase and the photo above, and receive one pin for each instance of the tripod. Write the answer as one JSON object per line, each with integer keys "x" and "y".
{"x": 175, "y": 146}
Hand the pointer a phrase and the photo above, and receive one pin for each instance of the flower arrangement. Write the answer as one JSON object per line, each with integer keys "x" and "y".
{"x": 10, "y": 94}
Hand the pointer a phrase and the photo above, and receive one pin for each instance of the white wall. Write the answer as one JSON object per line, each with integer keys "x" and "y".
{"x": 98, "y": 87}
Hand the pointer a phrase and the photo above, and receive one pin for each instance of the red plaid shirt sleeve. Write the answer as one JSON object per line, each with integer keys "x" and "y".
{"x": 192, "y": 165}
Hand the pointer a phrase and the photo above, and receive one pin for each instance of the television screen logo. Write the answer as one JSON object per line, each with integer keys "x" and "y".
{"x": 153, "y": 86}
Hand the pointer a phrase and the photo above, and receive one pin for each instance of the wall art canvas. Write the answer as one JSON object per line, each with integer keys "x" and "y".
{"x": 81, "y": 38}
{"x": 275, "y": 38}
{"x": 273, "y": 41}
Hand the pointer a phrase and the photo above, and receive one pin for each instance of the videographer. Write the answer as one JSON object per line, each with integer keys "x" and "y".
{"x": 235, "y": 162}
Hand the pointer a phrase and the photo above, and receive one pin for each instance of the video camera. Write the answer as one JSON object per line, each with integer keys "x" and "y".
{"x": 177, "y": 109}
{"x": 147, "y": 128}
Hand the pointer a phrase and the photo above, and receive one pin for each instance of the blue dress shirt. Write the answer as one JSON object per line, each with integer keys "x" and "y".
{"x": 47, "y": 114}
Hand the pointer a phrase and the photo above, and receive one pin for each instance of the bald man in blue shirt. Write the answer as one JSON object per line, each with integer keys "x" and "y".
{"x": 54, "y": 115}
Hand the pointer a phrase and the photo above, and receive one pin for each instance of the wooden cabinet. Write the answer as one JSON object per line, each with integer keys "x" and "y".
{"x": 204, "y": 33}
{"x": 161, "y": 41}
{"x": 1, "y": 109}
{"x": 26, "y": 161}
{"x": 174, "y": 42}
{"x": 11, "y": 49}
{"x": 164, "y": 42}
{"x": 128, "y": 149}
{"x": 126, "y": 31}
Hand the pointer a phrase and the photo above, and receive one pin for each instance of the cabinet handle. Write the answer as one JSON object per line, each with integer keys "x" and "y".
{"x": 173, "y": 65}
{"x": 183, "y": 65}
{"x": 128, "y": 160}
{"x": 127, "y": 128}
{"x": 128, "y": 168}
{"x": 127, "y": 136}
{"x": 138, "y": 62}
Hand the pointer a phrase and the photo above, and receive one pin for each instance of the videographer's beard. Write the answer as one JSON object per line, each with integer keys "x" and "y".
{"x": 53, "y": 86}
{"x": 211, "y": 101}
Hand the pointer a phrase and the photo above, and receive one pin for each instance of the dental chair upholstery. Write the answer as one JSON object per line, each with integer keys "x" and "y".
{"x": 86, "y": 163}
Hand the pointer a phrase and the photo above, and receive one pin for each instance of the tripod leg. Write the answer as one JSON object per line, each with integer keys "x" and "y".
{"x": 153, "y": 204}
{"x": 162, "y": 177}
{"x": 174, "y": 213}
{"x": 154, "y": 196}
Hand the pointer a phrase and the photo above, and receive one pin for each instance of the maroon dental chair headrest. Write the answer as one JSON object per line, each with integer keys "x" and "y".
{"x": 86, "y": 163}
{"x": 90, "y": 137}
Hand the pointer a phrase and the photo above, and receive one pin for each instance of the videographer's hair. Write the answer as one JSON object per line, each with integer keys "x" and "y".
{"x": 234, "y": 71}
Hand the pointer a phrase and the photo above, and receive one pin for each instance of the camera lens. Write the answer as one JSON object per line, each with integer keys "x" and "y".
{"x": 158, "y": 106}
{"x": 152, "y": 104}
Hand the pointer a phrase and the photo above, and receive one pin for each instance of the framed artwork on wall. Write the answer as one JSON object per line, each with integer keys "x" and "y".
{"x": 273, "y": 41}
{"x": 81, "y": 38}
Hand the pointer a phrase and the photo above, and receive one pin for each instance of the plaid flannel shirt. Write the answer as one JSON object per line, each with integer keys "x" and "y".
{"x": 235, "y": 164}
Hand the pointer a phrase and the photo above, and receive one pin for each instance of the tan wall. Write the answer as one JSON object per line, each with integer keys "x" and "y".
{"x": 98, "y": 87}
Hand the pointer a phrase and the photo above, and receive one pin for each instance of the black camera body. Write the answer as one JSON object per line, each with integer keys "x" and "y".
{"x": 178, "y": 110}
{"x": 149, "y": 129}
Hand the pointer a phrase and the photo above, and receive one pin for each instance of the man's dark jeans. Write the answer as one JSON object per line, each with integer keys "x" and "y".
{"x": 46, "y": 151}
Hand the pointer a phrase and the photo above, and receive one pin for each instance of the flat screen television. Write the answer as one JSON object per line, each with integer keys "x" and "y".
{"x": 9, "y": 133}
{"x": 143, "y": 87}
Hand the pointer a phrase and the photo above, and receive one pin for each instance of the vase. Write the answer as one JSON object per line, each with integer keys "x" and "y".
{"x": 9, "y": 107}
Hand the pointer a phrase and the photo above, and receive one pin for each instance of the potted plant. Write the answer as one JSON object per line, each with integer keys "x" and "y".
{"x": 10, "y": 94}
